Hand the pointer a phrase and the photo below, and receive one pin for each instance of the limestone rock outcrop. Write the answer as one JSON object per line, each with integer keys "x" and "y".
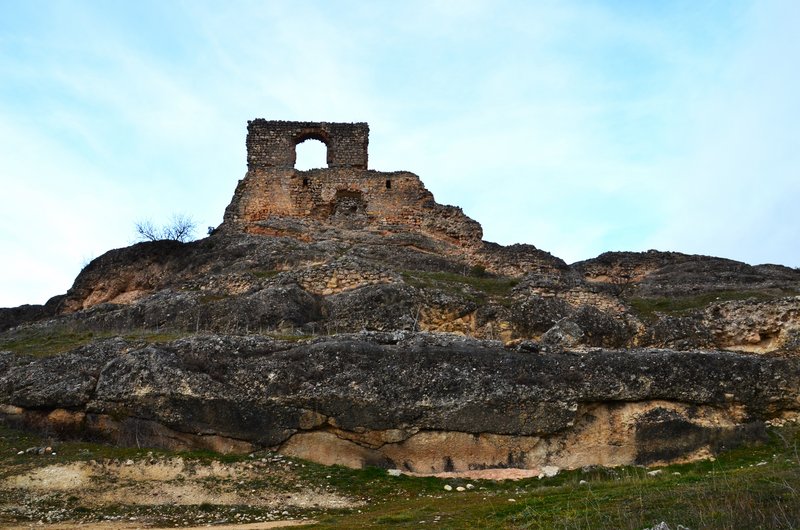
{"x": 419, "y": 401}
{"x": 342, "y": 315}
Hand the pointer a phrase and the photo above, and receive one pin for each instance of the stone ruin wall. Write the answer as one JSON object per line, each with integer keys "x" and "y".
{"x": 346, "y": 194}
{"x": 272, "y": 143}
{"x": 340, "y": 196}
{"x": 341, "y": 276}
{"x": 578, "y": 297}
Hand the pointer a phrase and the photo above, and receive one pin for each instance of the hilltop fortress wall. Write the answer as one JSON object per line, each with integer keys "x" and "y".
{"x": 275, "y": 198}
{"x": 272, "y": 143}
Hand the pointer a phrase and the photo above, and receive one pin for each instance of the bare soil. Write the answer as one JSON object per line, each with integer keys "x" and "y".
{"x": 258, "y": 494}
{"x": 132, "y": 526}
{"x": 483, "y": 474}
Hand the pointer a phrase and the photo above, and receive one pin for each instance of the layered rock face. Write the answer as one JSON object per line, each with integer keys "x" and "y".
{"x": 342, "y": 315}
{"x": 417, "y": 401}
{"x": 349, "y": 281}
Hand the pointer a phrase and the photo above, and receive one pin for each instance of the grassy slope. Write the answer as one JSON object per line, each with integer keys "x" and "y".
{"x": 477, "y": 287}
{"x": 748, "y": 488}
{"x": 680, "y": 305}
{"x": 43, "y": 342}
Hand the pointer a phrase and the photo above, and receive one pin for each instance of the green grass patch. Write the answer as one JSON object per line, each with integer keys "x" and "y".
{"x": 752, "y": 487}
{"x": 493, "y": 286}
{"x": 288, "y": 337}
{"x": 749, "y": 487}
{"x": 397, "y": 518}
{"x": 44, "y": 342}
{"x": 648, "y": 307}
{"x": 265, "y": 274}
{"x": 210, "y": 298}
{"x": 155, "y": 337}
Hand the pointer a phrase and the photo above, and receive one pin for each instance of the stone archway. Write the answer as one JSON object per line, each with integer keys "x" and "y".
{"x": 273, "y": 143}
{"x": 311, "y": 154}
{"x": 317, "y": 135}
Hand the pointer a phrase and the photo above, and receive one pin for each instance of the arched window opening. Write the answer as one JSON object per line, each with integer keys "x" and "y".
{"x": 311, "y": 154}
{"x": 388, "y": 184}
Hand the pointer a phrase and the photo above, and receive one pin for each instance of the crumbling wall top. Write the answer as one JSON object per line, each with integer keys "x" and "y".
{"x": 273, "y": 143}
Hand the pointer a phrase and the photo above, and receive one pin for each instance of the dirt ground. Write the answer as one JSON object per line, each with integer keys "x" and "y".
{"x": 484, "y": 474}
{"x": 161, "y": 482}
{"x": 103, "y": 488}
{"x": 263, "y": 493}
{"x": 133, "y": 526}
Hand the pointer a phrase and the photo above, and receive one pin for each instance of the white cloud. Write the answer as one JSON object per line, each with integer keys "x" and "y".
{"x": 573, "y": 126}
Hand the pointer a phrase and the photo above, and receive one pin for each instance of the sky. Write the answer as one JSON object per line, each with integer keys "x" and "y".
{"x": 577, "y": 126}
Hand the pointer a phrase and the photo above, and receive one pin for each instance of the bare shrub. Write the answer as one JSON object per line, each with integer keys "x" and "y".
{"x": 179, "y": 228}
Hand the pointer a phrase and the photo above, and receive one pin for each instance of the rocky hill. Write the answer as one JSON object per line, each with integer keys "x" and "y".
{"x": 344, "y": 316}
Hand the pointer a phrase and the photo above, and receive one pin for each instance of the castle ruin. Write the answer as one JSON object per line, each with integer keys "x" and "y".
{"x": 272, "y": 144}
{"x": 274, "y": 198}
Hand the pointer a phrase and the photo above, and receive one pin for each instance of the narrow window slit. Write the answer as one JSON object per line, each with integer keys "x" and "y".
{"x": 388, "y": 184}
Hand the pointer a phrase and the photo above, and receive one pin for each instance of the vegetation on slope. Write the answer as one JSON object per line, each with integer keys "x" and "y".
{"x": 677, "y": 305}
{"x": 477, "y": 283}
{"x": 52, "y": 340}
{"x": 747, "y": 488}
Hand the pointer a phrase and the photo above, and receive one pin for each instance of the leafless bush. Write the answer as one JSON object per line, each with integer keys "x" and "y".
{"x": 179, "y": 228}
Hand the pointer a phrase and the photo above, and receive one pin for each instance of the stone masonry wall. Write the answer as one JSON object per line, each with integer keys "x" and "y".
{"x": 276, "y": 199}
{"x": 578, "y": 297}
{"x": 273, "y": 143}
{"x": 347, "y": 198}
{"x": 340, "y": 276}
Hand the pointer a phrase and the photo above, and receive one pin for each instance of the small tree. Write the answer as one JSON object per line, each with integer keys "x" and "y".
{"x": 180, "y": 228}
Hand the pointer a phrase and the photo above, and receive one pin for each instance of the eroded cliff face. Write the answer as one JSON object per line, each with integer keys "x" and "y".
{"x": 417, "y": 401}
{"x": 349, "y": 280}
{"x": 544, "y": 387}
{"x": 410, "y": 342}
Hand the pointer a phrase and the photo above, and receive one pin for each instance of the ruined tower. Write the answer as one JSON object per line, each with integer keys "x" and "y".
{"x": 274, "y": 198}
{"x": 272, "y": 144}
